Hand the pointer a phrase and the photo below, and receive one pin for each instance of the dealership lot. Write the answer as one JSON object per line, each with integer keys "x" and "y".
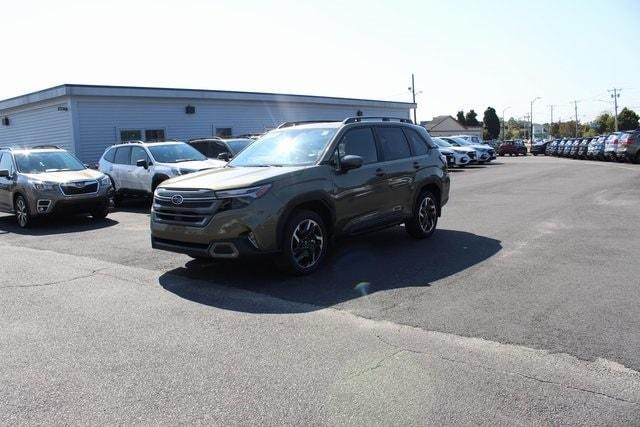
{"x": 524, "y": 306}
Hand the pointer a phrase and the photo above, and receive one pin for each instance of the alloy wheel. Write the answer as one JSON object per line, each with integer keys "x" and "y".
{"x": 427, "y": 214}
{"x": 21, "y": 212}
{"x": 307, "y": 243}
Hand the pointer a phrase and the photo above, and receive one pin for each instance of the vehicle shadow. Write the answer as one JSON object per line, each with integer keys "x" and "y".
{"x": 57, "y": 224}
{"x": 134, "y": 205}
{"x": 369, "y": 264}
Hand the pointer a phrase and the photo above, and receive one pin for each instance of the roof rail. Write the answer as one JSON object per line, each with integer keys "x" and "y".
{"x": 39, "y": 147}
{"x": 384, "y": 119}
{"x": 303, "y": 122}
{"x": 204, "y": 138}
{"x": 133, "y": 141}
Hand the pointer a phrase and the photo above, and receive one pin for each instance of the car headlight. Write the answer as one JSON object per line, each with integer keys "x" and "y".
{"x": 43, "y": 185}
{"x": 244, "y": 196}
{"x": 174, "y": 171}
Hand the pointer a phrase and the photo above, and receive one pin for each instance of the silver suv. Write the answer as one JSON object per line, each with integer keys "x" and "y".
{"x": 46, "y": 179}
{"x": 136, "y": 167}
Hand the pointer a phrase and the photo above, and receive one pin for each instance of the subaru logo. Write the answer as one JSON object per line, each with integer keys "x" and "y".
{"x": 177, "y": 199}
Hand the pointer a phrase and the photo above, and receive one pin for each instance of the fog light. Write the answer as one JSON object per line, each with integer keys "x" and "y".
{"x": 43, "y": 205}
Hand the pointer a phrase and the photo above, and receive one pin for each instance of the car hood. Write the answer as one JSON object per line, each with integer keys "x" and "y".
{"x": 65, "y": 176}
{"x": 445, "y": 150}
{"x": 230, "y": 177}
{"x": 197, "y": 165}
{"x": 481, "y": 147}
{"x": 463, "y": 149}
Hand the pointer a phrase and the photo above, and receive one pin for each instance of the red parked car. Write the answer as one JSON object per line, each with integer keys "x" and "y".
{"x": 512, "y": 148}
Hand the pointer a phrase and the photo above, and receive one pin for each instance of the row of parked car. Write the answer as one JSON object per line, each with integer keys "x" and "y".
{"x": 463, "y": 150}
{"x": 288, "y": 193}
{"x": 616, "y": 146}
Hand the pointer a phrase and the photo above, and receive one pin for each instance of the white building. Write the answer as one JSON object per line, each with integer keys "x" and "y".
{"x": 86, "y": 119}
{"x": 448, "y": 126}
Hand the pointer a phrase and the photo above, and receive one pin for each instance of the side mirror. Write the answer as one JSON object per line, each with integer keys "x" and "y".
{"x": 4, "y": 173}
{"x": 224, "y": 156}
{"x": 350, "y": 162}
{"x": 142, "y": 163}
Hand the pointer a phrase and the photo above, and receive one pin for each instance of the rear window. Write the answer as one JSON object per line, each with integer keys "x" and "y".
{"x": 109, "y": 155}
{"x": 393, "y": 143}
{"x": 418, "y": 145}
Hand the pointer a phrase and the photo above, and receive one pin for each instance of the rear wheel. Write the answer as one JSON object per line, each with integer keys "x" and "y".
{"x": 304, "y": 243}
{"x": 23, "y": 217}
{"x": 425, "y": 216}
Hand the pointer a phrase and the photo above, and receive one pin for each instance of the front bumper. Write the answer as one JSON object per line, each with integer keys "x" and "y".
{"x": 54, "y": 202}
{"x": 220, "y": 249}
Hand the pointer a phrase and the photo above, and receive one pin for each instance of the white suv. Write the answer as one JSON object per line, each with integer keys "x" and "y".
{"x": 136, "y": 167}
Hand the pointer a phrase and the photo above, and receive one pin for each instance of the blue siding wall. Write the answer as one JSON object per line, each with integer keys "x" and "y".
{"x": 38, "y": 124}
{"x": 100, "y": 119}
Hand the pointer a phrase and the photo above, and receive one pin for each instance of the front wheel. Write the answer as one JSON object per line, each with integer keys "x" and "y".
{"x": 425, "y": 217}
{"x": 100, "y": 213}
{"x": 304, "y": 243}
{"x": 23, "y": 217}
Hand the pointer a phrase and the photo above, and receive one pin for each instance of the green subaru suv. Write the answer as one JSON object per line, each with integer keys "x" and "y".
{"x": 301, "y": 186}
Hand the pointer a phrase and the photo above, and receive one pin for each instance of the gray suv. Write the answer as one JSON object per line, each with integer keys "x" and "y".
{"x": 299, "y": 187}
{"x": 46, "y": 179}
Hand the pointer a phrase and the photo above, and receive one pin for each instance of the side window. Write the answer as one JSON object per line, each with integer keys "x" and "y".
{"x": 6, "y": 163}
{"x": 418, "y": 145}
{"x": 359, "y": 142}
{"x": 123, "y": 154}
{"x": 109, "y": 155}
{"x": 394, "y": 144}
{"x": 138, "y": 153}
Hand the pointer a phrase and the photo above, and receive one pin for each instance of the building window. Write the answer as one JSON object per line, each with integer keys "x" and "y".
{"x": 224, "y": 132}
{"x": 154, "y": 135}
{"x": 130, "y": 135}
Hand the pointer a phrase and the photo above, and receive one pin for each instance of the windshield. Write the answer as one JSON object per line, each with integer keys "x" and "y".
{"x": 47, "y": 161}
{"x": 174, "y": 153}
{"x": 462, "y": 142}
{"x": 237, "y": 145}
{"x": 287, "y": 147}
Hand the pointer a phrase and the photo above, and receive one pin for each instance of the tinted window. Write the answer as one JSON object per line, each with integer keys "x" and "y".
{"x": 109, "y": 155}
{"x": 138, "y": 153}
{"x": 394, "y": 144}
{"x": 418, "y": 145}
{"x": 359, "y": 142}
{"x": 122, "y": 156}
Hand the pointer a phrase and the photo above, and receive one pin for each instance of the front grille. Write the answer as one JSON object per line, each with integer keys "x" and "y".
{"x": 472, "y": 155}
{"x": 193, "y": 208}
{"x": 79, "y": 187}
{"x": 491, "y": 153}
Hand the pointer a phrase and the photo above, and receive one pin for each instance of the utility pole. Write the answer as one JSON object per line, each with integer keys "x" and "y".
{"x": 615, "y": 95}
{"x": 413, "y": 91}
{"x": 575, "y": 106}
{"x": 551, "y": 122}
{"x": 503, "y": 130}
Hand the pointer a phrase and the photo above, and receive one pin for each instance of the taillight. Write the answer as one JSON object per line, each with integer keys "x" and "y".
{"x": 615, "y": 141}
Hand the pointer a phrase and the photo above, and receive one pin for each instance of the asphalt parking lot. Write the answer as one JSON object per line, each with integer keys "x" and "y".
{"x": 523, "y": 308}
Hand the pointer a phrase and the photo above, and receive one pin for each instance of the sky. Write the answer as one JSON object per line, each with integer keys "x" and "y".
{"x": 465, "y": 54}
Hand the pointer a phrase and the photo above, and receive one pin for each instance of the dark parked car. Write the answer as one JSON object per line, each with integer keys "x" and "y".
{"x": 540, "y": 147}
{"x": 512, "y": 148}
{"x": 583, "y": 147}
{"x": 218, "y": 148}
{"x": 559, "y": 147}
{"x": 629, "y": 146}
{"x": 596, "y": 148}
{"x": 552, "y": 147}
{"x": 566, "y": 149}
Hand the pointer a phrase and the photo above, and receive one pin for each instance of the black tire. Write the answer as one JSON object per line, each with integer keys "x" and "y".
{"x": 304, "y": 243}
{"x": 424, "y": 220}
{"x": 100, "y": 213}
{"x": 116, "y": 197}
{"x": 23, "y": 216}
{"x": 636, "y": 159}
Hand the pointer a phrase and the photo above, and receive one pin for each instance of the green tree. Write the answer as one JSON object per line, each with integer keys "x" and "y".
{"x": 460, "y": 118}
{"x": 604, "y": 123}
{"x": 471, "y": 120}
{"x": 627, "y": 119}
{"x": 491, "y": 123}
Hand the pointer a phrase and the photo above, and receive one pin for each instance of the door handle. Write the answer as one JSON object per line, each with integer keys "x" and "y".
{"x": 380, "y": 172}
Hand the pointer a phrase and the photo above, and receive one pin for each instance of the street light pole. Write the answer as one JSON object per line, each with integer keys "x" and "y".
{"x": 503, "y": 131}
{"x": 531, "y": 117}
{"x": 413, "y": 91}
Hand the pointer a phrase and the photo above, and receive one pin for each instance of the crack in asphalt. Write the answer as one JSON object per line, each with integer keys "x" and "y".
{"x": 57, "y": 282}
{"x": 475, "y": 365}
